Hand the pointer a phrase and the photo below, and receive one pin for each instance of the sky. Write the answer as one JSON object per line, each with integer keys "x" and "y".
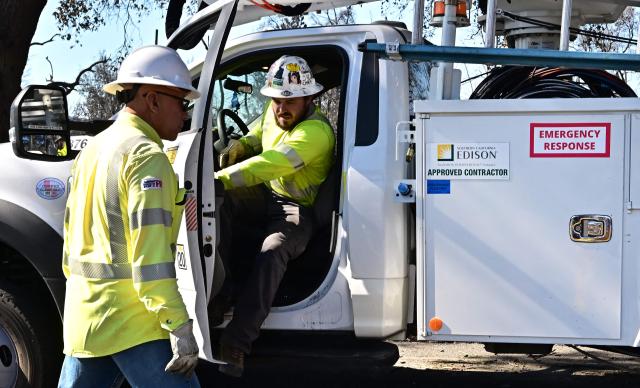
{"x": 68, "y": 61}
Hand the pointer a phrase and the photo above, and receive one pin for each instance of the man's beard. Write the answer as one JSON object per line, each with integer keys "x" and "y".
{"x": 289, "y": 126}
{"x": 294, "y": 121}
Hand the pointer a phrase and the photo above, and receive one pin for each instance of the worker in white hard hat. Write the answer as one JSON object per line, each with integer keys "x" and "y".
{"x": 280, "y": 166}
{"x": 124, "y": 317}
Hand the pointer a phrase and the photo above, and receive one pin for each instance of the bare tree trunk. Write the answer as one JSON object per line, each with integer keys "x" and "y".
{"x": 18, "y": 24}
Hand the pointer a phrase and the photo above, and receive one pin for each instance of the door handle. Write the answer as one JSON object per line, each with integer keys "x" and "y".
{"x": 590, "y": 228}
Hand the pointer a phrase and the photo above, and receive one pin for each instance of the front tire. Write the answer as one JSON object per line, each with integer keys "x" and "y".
{"x": 30, "y": 354}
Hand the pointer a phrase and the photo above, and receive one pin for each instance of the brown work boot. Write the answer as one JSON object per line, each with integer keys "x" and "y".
{"x": 234, "y": 359}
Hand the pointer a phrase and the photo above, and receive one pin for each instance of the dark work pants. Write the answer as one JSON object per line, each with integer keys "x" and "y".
{"x": 288, "y": 228}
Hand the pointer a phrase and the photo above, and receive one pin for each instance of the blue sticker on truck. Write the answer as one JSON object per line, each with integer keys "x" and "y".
{"x": 438, "y": 186}
{"x": 50, "y": 188}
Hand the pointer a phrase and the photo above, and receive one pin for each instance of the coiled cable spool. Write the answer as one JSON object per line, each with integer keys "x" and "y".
{"x": 550, "y": 82}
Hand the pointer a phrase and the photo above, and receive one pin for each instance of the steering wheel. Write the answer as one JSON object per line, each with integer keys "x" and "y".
{"x": 224, "y": 131}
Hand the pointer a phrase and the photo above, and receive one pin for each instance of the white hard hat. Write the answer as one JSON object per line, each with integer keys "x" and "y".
{"x": 153, "y": 65}
{"x": 290, "y": 77}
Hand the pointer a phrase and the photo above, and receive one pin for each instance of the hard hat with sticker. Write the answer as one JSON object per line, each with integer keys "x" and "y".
{"x": 290, "y": 77}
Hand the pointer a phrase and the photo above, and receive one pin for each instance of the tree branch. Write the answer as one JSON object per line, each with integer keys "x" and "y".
{"x": 51, "y": 67}
{"x": 45, "y": 42}
{"x": 70, "y": 86}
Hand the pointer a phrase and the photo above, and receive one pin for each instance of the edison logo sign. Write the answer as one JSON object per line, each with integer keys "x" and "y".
{"x": 445, "y": 152}
{"x": 570, "y": 140}
{"x": 468, "y": 161}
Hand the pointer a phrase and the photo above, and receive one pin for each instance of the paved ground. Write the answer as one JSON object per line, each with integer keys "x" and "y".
{"x": 437, "y": 365}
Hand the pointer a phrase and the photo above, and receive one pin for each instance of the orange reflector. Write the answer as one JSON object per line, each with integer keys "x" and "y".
{"x": 438, "y": 8}
{"x": 461, "y": 9}
{"x": 435, "y": 324}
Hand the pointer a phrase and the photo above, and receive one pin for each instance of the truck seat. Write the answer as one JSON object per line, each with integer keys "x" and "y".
{"x": 305, "y": 274}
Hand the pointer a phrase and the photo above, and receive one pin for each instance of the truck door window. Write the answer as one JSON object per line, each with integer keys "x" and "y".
{"x": 248, "y": 106}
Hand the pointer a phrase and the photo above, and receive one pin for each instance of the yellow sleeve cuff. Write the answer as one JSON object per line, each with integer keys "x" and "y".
{"x": 170, "y": 322}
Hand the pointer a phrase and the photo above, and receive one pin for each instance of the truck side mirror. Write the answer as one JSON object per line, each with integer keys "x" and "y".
{"x": 39, "y": 124}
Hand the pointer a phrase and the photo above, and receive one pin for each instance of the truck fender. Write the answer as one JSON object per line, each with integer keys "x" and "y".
{"x": 36, "y": 241}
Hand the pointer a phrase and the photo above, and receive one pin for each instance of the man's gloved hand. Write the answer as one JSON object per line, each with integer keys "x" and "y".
{"x": 185, "y": 350}
{"x": 230, "y": 154}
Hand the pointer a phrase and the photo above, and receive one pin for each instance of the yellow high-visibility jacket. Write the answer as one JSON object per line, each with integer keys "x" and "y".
{"x": 120, "y": 230}
{"x": 291, "y": 163}
{"x": 62, "y": 151}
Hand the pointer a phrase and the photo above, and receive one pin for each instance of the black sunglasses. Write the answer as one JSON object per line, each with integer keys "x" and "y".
{"x": 183, "y": 101}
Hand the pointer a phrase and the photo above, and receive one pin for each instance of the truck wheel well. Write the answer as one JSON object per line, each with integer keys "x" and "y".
{"x": 17, "y": 270}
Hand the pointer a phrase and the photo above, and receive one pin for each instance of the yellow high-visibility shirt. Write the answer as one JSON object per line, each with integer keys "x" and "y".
{"x": 120, "y": 230}
{"x": 291, "y": 163}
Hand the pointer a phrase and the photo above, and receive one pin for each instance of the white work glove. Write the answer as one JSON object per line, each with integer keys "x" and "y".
{"x": 185, "y": 350}
{"x": 231, "y": 153}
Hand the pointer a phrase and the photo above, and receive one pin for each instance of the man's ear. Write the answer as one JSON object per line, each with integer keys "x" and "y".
{"x": 152, "y": 102}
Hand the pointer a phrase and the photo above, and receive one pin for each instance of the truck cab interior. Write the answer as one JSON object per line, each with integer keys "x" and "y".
{"x": 232, "y": 92}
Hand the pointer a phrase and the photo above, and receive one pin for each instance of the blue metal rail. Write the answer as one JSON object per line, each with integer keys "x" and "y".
{"x": 497, "y": 56}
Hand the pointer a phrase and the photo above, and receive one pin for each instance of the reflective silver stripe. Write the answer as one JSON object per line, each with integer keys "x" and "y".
{"x": 291, "y": 155}
{"x": 117, "y": 238}
{"x": 155, "y": 216}
{"x": 237, "y": 179}
{"x": 275, "y": 185}
{"x": 150, "y": 272}
{"x": 100, "y": 270}
{"x": 144, "y": 273}
{"x": 254, "y": 143}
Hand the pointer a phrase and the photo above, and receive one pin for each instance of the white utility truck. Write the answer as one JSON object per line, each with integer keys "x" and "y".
{"x": 499, "y": 219}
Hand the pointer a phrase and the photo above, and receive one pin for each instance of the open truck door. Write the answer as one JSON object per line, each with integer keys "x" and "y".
{"x": 193, "y": 163}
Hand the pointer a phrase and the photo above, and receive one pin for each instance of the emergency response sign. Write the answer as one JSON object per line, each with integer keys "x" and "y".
{"x": 572, "y": 140}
